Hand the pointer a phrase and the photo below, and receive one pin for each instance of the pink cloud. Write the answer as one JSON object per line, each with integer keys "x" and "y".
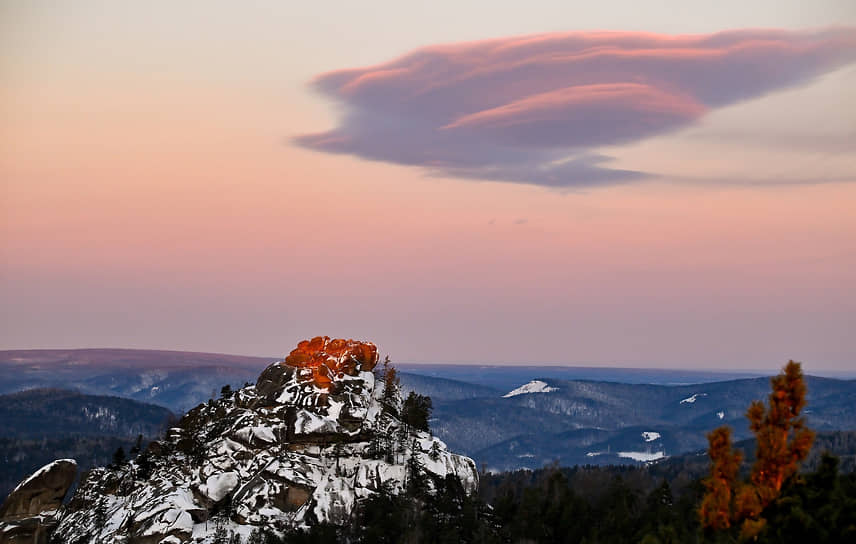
{"x": 542, "y": 119}
{"x": 535, "y": 109}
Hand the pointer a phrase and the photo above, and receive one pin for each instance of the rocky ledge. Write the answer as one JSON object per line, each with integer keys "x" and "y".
{"x": 316, "y": 434}
{"x": 29, "y": 512}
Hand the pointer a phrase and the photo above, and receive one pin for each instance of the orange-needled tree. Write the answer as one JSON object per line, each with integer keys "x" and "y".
{"x": 783, "y": 441}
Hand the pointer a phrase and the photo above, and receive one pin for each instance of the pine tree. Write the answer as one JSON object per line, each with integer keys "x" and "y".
{"x": 783, "y": 441}
{"x": 226, "y": 391}
{"x": 416, "y": 482}
{"x": 391, "y": 388}
{"x": 416, "y": 411}
{"x": 434, "y": 453}
{"x": 119, "y": 457}
{"x": 717, "y": 509}
{"x": 375, "y": 449}
{"x": 137, "y": 446}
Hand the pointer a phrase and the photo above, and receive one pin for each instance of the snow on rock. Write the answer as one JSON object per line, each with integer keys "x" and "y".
{"x": 217, "y": 486}
{"x": 535, "y": 386}
{"x": 32, "y": 506}
{"x": 642, "y": 456}
{"x": 298, "y": 447}
{"x": 50, "y": 467}
{"x": 650, "y": 436}
{"x": 693, "y": 398}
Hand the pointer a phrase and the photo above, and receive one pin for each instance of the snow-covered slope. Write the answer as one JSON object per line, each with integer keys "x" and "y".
{"x": 535, "y": 386}
{"x": 302, "y": 445}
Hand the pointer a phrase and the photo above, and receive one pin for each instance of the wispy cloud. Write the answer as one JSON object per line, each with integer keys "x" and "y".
{"x": 536, "y": 109}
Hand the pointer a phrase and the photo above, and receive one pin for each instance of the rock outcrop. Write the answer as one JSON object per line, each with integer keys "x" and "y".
{"x": 304, "y": 444}
{"x": 27, "y": 514}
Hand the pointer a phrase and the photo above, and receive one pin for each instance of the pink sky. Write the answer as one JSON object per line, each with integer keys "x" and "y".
{"x": 152, "y": 197}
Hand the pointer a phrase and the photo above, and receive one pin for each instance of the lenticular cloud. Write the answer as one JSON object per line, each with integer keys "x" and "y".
{"x": 535, "y": 109}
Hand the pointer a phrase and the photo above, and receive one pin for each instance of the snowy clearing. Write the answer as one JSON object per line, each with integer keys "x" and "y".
{"x": 642, "y": 456}
{"x": 535, "y": 386}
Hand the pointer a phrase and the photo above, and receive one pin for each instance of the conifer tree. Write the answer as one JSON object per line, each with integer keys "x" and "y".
{"x": 416, "y": 411}
{"x": 226, "y": 391}
{"x": 119, "y": 457}
{"x": 416, "y": 483}
{"x": 783, "y": 441}
{"x": 434, "y": 453}
{"x": 135, "y": 450}
{"x": 717, "y": 508}
{"x": 391, "y": 386}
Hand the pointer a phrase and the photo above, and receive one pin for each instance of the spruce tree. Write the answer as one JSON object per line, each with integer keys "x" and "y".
{"x": 416, "y": 411}
{"x": 417, "y": 481}
{"x": 391, "y": 387}
{"x": 119, "y": 457}
{"x": 226, "y": 391}
{"x": 434, "y": 453}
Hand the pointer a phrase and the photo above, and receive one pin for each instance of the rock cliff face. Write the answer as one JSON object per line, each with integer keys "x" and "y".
{"x": 27, "y": 514}
{"x": 304, "y": 444}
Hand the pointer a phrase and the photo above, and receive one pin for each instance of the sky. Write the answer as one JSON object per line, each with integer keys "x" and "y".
{"x": 612, "y": 183}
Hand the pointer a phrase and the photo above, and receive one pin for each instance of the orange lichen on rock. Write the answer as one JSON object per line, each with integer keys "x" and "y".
{"x": 329, "y": 359}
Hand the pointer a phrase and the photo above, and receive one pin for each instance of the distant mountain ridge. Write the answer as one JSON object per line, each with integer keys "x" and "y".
{"x": 37, "y": 413}
{"x": 39, "y": 425}
{"x": 127, "y": 358}
{"x": 173, "y": 379}
{"x": 584, "y": 422}
{"x": 577, "y": 421}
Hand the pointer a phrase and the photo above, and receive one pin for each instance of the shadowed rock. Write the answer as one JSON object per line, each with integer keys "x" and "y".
{"x": 27, "y": 513}
{"x": 40, "y": 492}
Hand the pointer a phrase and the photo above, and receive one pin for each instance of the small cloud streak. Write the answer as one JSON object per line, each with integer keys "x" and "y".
{"x": 536, "y": 109}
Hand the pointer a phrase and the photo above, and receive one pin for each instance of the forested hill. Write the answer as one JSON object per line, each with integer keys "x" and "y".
{"x": 40, "y": 425}
{"x": 52, "y": 413}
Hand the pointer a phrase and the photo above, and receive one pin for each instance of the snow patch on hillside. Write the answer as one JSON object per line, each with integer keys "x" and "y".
{"x": 693, "y": 398}
{"x": 650, "y": 436}
{"x": 535, "y": 386}
{"x": 642, "y": 456}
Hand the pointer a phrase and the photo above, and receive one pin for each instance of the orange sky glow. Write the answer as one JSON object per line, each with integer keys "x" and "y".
{"x": 174, "y": 212}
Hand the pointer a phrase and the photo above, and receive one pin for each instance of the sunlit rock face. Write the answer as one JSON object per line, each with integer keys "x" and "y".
{"x": 296, "y": 448}
{"x": 321, "y": 377}
{"x": 336, "y": 356}
{"x": 321, "y": 361}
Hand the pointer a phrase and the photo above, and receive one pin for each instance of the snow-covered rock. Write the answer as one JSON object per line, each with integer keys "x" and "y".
{"x": 28, "y": 513}
{"x": 41, "y": 491}
{"x": 302, "y": 445}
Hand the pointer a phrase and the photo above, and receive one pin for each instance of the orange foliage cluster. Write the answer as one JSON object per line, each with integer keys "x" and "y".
{"x": 332, "y": 358}
{"x": 783, "y": 441}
